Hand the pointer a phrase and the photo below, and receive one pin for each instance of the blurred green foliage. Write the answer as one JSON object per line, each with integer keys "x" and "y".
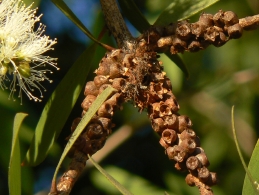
{"x": 219, "y": 78}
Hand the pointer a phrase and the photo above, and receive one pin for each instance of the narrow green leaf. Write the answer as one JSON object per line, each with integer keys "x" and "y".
{"x": 179, "y": 62}
{"x": 134, "y": 15}
{"x": 181, "y": 10}
{"x": 253, "y": 168}
{"x": 14, "y": 173}
{"x": 113, "y": 181}
{"x": 58, "y": 107}
{"x": 251, "y": 188}
{"x": 84, "y": 121}
{"x": 69, "y": 13}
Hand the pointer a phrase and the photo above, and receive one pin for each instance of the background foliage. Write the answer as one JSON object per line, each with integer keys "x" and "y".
{"x": 219, "y": 78}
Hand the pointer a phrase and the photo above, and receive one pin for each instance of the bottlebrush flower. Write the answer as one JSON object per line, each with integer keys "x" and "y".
{"x": 21, "y": 49}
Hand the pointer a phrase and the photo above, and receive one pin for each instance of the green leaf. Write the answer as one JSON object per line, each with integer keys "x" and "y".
{"x": 134, "y": 15}
{"x": 69, "y": 13}
{"x": 253, "y": 168}
{"x": 252, "y": 176}
{"x": 181, "y": 10}
{"x": 179, "y": 62}
{"x": 14, "y": 173}
{"x": 113, "y": 181}
{"x": 84, "y": 121}
{"x": 58, "y": 108}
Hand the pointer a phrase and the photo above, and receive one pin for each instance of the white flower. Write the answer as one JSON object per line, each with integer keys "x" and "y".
{"x": 22, "y": 48}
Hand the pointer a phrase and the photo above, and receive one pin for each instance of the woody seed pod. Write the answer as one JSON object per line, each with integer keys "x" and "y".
{"x": 90, "y": 89}
{"x": 169, "y": 136}
{"x": 203, "y": 159}
{"x": 213, "y": 179}
{"x": 164, "y": 41}
{"x": 203, "y": 174}
{"x": 192, "y": 163}
{"x": 94, "y": 131}
{"x": 206, "y": 20}
{"x": 99, "y": 80}
{"x": 184, "y": 122}
{"x": 183, "y": 31}
{"x": 88, "y": 102}
{"x": 235, "y": 31}
{"x": 218, "y": 18}
{"x": 158, "y": 125}
{"x": 230, "y": 18}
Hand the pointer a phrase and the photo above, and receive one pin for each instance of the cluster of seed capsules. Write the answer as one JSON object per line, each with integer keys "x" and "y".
{"x": 137, "y": 75}
{"x": 183, "y": 36}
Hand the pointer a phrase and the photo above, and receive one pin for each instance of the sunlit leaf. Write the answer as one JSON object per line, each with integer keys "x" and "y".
{"x": 58, "y": 107}
{"x": 14, "y": 174}
{"x": 181, "y": 10}
{"x": 84, "y": 121}
{"x": 113, "y": 181}
{"x": 252, "y": 187}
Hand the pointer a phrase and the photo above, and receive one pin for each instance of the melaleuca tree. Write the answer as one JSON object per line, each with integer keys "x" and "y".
{"x": 133, "y": 70}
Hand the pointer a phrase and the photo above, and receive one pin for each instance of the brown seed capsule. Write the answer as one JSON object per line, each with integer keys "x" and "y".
{"x": 94, "y": 131}
{"x": 119, "y": 83}
{"x": 194, "y": 46}
{"x": 188, "y": 145}
{"x": 172, "y": 104}
{"x": 164, "y": 41}
{"x": 192, "y": 163}
{"x": 184, "y": 123}
{"x": 203, "y": 174}
{"x": 99, "y": 80}
{"x": 169, "y": 136}
{"x": 105, "y": 123}
{"x": 105, "y": 110}
{"x": 171, "y": 122}
{"x": 163, "y": 143}
{"x": 115, "y": 70}
{"x": 198, "y": 29}
{"x": 221, "y": 40}
{"x": 183, "y": 31}
{"x": 104, "y": 68}
{"x": 211, "y": 34}
{"x": 176, "y": 153}
{"x": 203, "y": 159}
{"x": 206, "y": 20}
{"x": 178, "y": 45}
{"x": 91, "y": 89}
{"x": 89, "y": 99}
{"x": 218, "y": 19}
{"x": 213, "y": 179}
{"x": 158, "y": 125}
{"x": 187, "y": 134}
{"x": 230, "y": 18}
{"x": 235, "y": 31}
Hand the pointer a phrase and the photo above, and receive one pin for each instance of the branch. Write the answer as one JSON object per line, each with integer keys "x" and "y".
{"x": 116, "y": 24}
{"x": 211, "y": 29}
